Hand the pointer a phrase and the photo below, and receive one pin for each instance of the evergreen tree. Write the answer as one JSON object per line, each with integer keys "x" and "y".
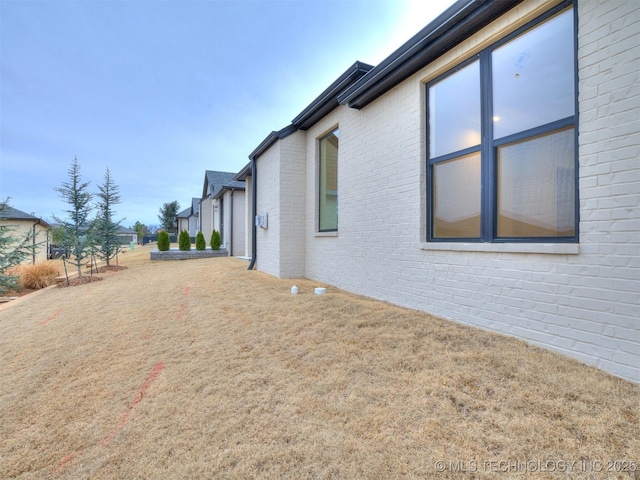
{"x": 167, "y": 216}
{"x": 216, "y": 240}
{"x": 163, "y": 241}
{"x": 105, "y": 229}
{"x": 200, "y": 242}
{"x": 13, "y": 250}
{"x": 75, "y": 229}
{"x": 184, "y": 241}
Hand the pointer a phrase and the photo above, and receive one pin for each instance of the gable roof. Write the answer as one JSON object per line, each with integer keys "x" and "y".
{"x": 10, "y": 213}
{"x": 186, "y": 213}
{"x": 458, "y": 22}
{"x": 214, "y": 181}
{"x": 191, "y": 210}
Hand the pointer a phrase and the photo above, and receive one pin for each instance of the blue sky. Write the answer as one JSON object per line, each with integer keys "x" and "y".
{"x": 160, "y": 91}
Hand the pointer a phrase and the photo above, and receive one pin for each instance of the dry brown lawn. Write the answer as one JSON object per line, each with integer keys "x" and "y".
{"x": 201, "y": 369}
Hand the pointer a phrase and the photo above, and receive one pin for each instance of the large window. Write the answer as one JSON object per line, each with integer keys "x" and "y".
{"x": 328, "y": 201}
{"x": 501, "y": 140}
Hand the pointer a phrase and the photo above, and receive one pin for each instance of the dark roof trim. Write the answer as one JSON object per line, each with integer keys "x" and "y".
{"x": 328, "y": 100}
{"x": 319, "y": 108}
{"x": 270, "y": 140}
{"x": 226, "y": 188}
{"x": 454, "y": 25}
{"x": 244, "y": 173}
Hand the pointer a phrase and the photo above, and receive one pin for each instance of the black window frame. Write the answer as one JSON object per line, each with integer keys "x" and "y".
{"x": 488, "y": 147}
{"x": 319, "y": 182}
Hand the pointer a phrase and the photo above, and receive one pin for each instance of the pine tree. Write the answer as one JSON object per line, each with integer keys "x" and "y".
{"x": 13, "y": 250}
{"x": 105, "y": 229}
{"x": 75, "y": 229}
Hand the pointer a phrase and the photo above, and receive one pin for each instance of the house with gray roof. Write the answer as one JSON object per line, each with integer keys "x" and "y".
{"x": 188, "y": 218}
{"x": 21, "y": 224}
{"x": 222, "y": 208}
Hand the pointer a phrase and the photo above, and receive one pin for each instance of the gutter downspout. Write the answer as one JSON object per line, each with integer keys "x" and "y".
{"x": 231, "y": 225}
{"x": 254, "y": 212}
{"x": 33, "y": 251}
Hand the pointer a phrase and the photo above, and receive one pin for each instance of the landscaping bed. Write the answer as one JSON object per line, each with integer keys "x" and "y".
{"x": 177, "y": 254}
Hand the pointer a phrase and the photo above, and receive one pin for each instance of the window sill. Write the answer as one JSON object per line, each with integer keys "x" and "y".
{"x": 326, "y": 234}
{"x": 548, "y": 248}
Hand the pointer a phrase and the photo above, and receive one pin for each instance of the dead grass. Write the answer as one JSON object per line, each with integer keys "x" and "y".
{"x": 36, "y": 276}
{"x": 201, "y": 369}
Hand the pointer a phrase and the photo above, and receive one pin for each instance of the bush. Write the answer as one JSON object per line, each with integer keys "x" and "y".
{"x": 184, "y": 241}
{"x": 200, "y": 243}
{"x": 163, "y": 241}
{"x": 216, "y": 241}
{"x": 35, "y": 277}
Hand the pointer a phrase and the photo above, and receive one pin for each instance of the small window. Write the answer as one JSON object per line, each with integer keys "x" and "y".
{"x": 329, "y": 182}
{"x": 502, "y": 140}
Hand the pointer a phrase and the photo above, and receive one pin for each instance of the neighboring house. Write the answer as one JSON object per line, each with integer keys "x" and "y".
{"x": 222, "y": 208}
{"x": 188, "y": 218}
{"x": 487, "y": 172}
{"x": 126, "y": 235}
{"x": 23, "y": 224}
{"x": 232, "y": 218}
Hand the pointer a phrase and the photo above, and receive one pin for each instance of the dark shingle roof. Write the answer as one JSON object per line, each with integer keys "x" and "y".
{"x": 215, "y": 181}
{"x": 186, "y": 213}
{"x": 10, "y": 213}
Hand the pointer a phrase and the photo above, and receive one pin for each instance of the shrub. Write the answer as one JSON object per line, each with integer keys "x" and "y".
{"x": 35, "y": 277}
{"x": 216, "y": 241}
{"x": 163, "y": 241}
{"x": 184, "y": 241}
{"x": 200, "y": 243}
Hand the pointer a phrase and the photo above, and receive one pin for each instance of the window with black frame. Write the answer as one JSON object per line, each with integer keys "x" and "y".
{"x": 328, "y": 182}
{"x": 502, "y": 140}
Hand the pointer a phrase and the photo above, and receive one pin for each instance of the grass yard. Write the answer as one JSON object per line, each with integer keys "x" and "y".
{"x": 201, "y": 369}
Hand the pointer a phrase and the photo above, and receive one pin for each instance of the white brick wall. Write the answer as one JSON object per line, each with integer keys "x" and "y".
{"x": 586, "y": 304}
{"x": 268, "y": 201}
{"x": 248, "y": 215}
{"x": 206, "y": 218}
{"x": 292, "y": 205}
{"x": 281, "y": 195}
{"x": 237, "y": 236}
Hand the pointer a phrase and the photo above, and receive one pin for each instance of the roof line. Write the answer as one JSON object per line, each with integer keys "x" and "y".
{"x": 271, "y": 139}
{"x": 458, "y": 22}
{"x": 328, "y": 99}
